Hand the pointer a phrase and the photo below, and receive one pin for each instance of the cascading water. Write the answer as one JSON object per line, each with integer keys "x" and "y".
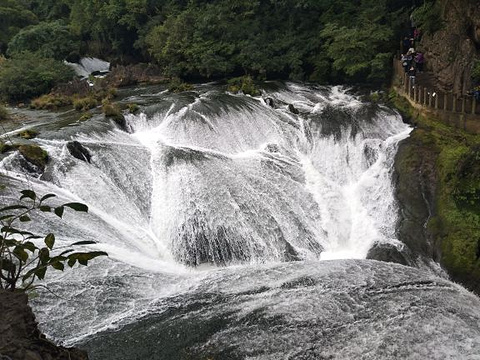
{"x": 211, "y": 178}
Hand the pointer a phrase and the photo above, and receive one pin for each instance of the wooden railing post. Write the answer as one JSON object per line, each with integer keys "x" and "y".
{"x": 474, "y": 105}
{"x": 445, "y": 101}
{"x": 454, "y": 106}
{"x": 436, "y": 101}
{"x": 430, "y": 96}
{"x": 425, "y": 96}
{"x": 463, "y": 104}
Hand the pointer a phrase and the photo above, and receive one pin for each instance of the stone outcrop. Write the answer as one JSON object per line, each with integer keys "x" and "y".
{"x": 451, "y": 51}
{"x": 78, "y": 151}
{"x": 20, "y": 338}
{"x": 34, "y": 155}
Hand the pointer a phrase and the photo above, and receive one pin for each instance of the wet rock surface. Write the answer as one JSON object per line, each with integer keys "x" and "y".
{"x": 20, "y": 338}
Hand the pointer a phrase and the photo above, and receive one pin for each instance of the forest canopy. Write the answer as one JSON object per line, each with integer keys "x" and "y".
{"x": 317, "y": 40}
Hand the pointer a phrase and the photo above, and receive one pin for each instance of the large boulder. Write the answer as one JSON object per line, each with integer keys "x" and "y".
{"x": 34, "y": 155}
{"x": 78, "y": 151}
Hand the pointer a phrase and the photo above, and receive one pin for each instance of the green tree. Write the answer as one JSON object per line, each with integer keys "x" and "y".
{"x": 47, "y": 39}
{"x": 26, "y": 257}
{"x": 27, "y": 75}
{"x": 13, "y": 17}
{"x": 356, "y": 51}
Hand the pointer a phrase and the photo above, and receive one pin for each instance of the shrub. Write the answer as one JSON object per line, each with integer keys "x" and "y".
{"x": 429, "y": 17}
{"x": 111, "y": 110}
{"x": 177, "y": 86}
{"x": 3, "y": 113}
{"x": 26, "y": 75}
{"x": 50, "y": 102}
{"x": 28, "y": 134}
{"x": 86, "y": 116}
{"x": 23, "y": 258}
{"x": 47, "y": 39}
{"x": 243, "y": 84}
{"x": 133, "y": 108}
{"x": 84, "y": 104}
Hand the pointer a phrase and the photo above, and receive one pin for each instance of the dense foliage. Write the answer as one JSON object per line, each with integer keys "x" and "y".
{"x": 320, "y": 40}
{"x": 46, "y": 39}
{"x": 27, "y": 75}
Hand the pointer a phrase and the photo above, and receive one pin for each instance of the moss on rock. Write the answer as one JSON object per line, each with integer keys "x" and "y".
{"x": 442, "y": 165}
{"x": 35, "y": 155}
{"x": 28, "y": 134}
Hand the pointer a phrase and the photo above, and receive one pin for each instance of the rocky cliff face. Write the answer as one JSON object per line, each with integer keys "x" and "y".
{"x": 451, "y": 51}
{"x": 20, "y": 338}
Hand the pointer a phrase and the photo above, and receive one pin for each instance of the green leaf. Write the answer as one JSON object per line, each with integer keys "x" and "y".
{"x": 58, "y": 265}
{"x": 45, "y": 208}
{"x": 25, "y": 218}
{"x": 5, "y": 217}
{"x": 44, "y": 255}
{"x": 20, "y": 253}
{"x": 40, "y": 272}
{"x": 77, "y": 206}
{"x": 28, "y": 194}
{"x": 8, "y": 265}
{"x": 59, "y": 211}
{"x": 10, "y": 242}
{"x": 71, "y": 261}
{"x": 50, "y": 240}
{"x": 85, "y": 242}
{"x": 30, "y": 246}
{"x": 14, "y": 207}
{"x": 47, "y": 196}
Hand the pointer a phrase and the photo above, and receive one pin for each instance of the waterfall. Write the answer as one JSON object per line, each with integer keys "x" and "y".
{"x": 238, "y": 217}
{"x": 210, "y": 177}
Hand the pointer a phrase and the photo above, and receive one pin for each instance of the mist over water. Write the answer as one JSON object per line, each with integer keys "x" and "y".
{"x": 212, "y": 188}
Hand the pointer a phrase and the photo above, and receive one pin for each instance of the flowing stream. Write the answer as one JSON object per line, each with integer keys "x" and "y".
{"x": 237, "y": 227}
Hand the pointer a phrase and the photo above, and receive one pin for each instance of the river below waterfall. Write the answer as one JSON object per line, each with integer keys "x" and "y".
{"x": 237, "y": 228}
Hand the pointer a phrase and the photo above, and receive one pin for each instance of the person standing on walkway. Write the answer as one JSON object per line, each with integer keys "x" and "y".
{"x": 412, "y": 73}
{"x": 419, "y": 61}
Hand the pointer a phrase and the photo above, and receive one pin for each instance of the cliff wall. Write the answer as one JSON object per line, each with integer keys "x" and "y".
{"x": 451, "y": 51}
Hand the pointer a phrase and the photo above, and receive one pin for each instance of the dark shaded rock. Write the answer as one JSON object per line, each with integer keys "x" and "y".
{"x": 273, "y": 148}
{"x": 390, "y": 253}
{"x": 416, "y": 186}
{"x": 78, "y": 151}
{"x": 20, "y": 338}
{"x": 4, "y": 148}
{"x": 34, "y": 155}
{"x": 293, "y": 109}
{"x": 269, "y": 101}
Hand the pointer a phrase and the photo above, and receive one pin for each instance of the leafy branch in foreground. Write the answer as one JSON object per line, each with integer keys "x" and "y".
{"x": 26, "y": 257}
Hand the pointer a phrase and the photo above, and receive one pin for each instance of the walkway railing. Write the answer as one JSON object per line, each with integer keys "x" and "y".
{"x": 456, "y": 109}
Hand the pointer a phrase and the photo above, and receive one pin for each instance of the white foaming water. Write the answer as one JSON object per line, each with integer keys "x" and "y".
{"x": 218, "y": 179}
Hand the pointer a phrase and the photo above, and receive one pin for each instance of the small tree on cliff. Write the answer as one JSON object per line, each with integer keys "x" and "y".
{"x": 26, "y": 257}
